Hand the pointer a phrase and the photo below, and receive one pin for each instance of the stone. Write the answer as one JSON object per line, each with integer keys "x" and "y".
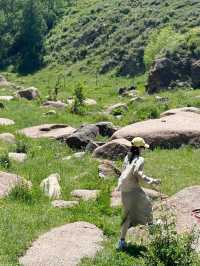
{"x": 64, "y": 246}
{"x": 7, "y": 182}
{"x": 117, "y": 109}
{"x": 18, "y": 157}
{"x": 54, "y": 104}
{"x": 195, "y": 74}
{"x": 107, "y": 169}
{"x": 171, "y": 131}
{"x": 82, "y": 136}
{"x": 91, "y": 146}
{"x": 77, "y": 155}
{"x": 6, "y": 122}
{"x": 89, "y": 102}
{"x": 7, "y": 138}
{"x": 85, "y": 194}
{"x": 161, "y": 99}
{"x": 29, "y": 93}
{"x": 125, "y": 91}
{"x": 55, "y": 131}
{"x": 106, "y": 128}
{"x": 160, "y": 75}
{"x": 62, "y": 204}
{"x": 6, "y": 98}
{"x": 113, "y": 150}
{"x": 51, "y": 112}
{"x": 3, "y": 81}
{"x": 136, "y": 99}
{"x": 51, "y": 187}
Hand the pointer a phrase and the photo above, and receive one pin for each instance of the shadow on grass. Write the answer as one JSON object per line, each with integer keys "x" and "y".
{"x": 135, "y": 250}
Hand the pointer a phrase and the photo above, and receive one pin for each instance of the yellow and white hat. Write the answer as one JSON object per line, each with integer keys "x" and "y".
{"x": 139, "y": 142}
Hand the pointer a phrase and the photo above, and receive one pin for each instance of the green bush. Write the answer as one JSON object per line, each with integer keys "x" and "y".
{"x": 167, "y": 248}
{"x": 4, "y": 160}
{"x": 22, "y": 193}
{"x": 77, "y": 107}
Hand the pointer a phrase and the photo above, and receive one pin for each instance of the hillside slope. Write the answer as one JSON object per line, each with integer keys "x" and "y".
{"x": 112, "y": 35}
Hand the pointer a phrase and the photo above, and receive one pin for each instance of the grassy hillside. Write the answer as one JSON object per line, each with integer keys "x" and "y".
{"x": 102, "y": 36}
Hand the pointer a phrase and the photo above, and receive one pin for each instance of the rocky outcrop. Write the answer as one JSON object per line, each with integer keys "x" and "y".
{"x": 82, "y": 136}
{"x": 55, "y": 131}
{"x": 113, "y": 150}
{"x": 171, "y": 131}
{"x": 195, "y": 73}
{"x": 29, "y": 93}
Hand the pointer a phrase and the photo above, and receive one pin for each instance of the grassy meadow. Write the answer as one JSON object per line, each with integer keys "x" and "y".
{"x": 25, "y": 216}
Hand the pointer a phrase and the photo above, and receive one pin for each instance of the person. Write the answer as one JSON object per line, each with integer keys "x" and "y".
{"x": 137, "y": 206}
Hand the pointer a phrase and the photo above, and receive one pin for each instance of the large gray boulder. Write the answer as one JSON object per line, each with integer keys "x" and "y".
{"x": 29, "y": 93}
{"x": 82, "y": 136}
{"x": 113, "y": 150}
{"x": 171, "y": 131}
{"x": 64, "y": 246}
{"x": 55, "y": 131}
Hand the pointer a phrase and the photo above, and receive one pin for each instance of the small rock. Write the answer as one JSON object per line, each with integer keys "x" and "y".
{"x": 136, "y": 99}
{"x": 18, "y": 157}
{"x": 117, "y": 109}
{"x": 161, "y": 99}
{"x": 108, "y": 169}
{"x": 77, "y": 155}
{"x": 62, "y": 204}
{"x": 6, "y": 98}
{"x": 91, "y": 146}
{"x": 3, "y": 81}
{"x": 90, "y": 102}
{"x": 8, "y": 138}
{"x": 127, "y": 91}
{"x": 55, "y": 104}
{"x": 51, "y": 112}
{"x": 29, "y": 93}
{"x": 6, "y": 122}
{"x": 85, "y": 194}
{"x": 51, "y": 187}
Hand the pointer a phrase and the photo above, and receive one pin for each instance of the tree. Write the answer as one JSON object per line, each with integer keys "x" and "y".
{"x": 29, "y": 43}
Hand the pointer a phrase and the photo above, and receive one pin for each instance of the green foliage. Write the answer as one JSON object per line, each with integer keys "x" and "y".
{"x": 22, "y": 193}
{"x": 167, "y": 248}
{"x": 159, "y": 42}
{"x": 4, "y": 160}
{"x": 77, "y": 107}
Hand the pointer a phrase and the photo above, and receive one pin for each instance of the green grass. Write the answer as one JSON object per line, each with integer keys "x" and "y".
{"x": 22, "y": 222}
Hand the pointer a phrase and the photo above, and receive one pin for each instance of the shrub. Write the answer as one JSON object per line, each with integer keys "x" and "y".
{"x": 167, "y": 248}
{"x": 4, "y": 160}
{"x": 22, "y": 192}
{"x": 78, "y": 100}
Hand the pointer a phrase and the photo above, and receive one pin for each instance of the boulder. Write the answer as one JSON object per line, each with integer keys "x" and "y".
{"x": 160, "y": 75}
{"x": 117, "y": 109}
{"x": 106, "y": 128}
{"x": 82, "y": 136}
{"x": 195, "y": 74}
{"x": 113, "y": 150}
{"x": 91, "y": 146}
{"x": 85, "y": 194}
{"x": 62, "y": 204}
{"x": 6, "y": 98}
{"x": 18, "y": 157}
{"x": 7, "y": 182}
{"x": 6, "y": 122}
{"x": 3, "y": 81}
{"x": 171, "y": 131}
{"x": 89, "y": 102}
{"x": 29, "y": 93}
{"x": 66, "y": 245}
{"x": 107, "y": 169}
{"x": 180, "y": 110}
{"x": 55, "y": 131}
{"x": 7, "y": 138}
{"x": 54, "y": 104}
